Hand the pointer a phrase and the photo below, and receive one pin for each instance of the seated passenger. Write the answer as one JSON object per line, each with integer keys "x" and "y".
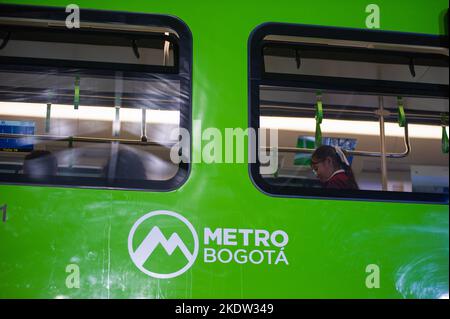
{"x": 126, "y": 164}
{"x": 39, "y": 164}
{"x": 331, "y": 166}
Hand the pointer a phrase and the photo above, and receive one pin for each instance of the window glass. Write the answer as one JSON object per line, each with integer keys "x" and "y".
{"x": 355, "y": 119}
{"x": 92, "y": 107}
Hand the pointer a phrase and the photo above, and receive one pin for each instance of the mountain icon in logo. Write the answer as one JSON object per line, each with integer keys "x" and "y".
{"x": 155, "y": 238}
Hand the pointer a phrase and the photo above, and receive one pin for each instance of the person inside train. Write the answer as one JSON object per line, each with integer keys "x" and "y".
{"x": 39, "y": 164}
{"x": 331, "y": 166}
{"x": 125, "y": 164}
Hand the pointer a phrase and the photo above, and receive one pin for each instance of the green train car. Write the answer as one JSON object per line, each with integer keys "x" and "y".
{"x": 162, "y": 149}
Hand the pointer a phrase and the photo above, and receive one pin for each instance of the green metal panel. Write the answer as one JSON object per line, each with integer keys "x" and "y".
{"x": 330, "y": 242}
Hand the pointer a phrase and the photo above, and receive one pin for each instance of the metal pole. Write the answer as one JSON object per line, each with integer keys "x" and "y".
{"x": 166, "y": 51}
{"x": 144, "y": 125}
{"x": 72, "y": 139}
{"x": 384, "y": 178}
{"x": 117, "y": 103}
{"x": 48, "y": 118}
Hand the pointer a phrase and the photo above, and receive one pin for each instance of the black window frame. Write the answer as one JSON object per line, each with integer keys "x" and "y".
{"x": 257, "y": 77}
{"x": 182, "y": 69}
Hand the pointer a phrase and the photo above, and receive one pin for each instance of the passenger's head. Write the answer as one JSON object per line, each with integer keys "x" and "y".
{"x": 127, "y": 165}
{"x": 40, "y": 163}
{"x": 326, "y": 160}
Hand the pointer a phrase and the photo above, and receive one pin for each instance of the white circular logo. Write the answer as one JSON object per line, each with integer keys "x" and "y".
{"x": 154, "y": 237}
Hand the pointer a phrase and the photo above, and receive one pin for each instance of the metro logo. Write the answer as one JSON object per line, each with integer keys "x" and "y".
{"x": 146, "y": 239}
{"x": 153, "y": 239}
{"x": 164, "y": 244}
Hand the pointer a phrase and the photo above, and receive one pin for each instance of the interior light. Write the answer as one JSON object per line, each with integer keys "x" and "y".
{"x": 88, "y": 113}
{"x": 349, "y": 127}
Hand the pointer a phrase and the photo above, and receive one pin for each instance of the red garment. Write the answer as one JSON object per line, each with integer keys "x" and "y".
{"x": 340, "y": 181}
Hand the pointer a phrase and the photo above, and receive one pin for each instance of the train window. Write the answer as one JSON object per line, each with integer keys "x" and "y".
{"x": 94, "y": 106}
{"x": 360, "y": 114}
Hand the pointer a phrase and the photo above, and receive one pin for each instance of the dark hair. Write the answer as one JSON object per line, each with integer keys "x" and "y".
{"x": 324, "y": 151}
{"x": 40, "y": 163}
{"x": 126, "y": 165}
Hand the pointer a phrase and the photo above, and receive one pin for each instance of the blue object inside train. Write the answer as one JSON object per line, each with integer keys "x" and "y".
{"x": 16, "y": 144}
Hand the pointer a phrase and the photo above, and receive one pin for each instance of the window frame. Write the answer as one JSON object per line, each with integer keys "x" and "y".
{"x": 256, "y": 71}
{"x": 183, "y": 65}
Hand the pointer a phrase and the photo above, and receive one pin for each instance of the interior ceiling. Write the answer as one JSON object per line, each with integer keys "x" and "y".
{"x": 350, "y": 99}
{"x": 358, "y": 44}
{"x": 423, "y": 151}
